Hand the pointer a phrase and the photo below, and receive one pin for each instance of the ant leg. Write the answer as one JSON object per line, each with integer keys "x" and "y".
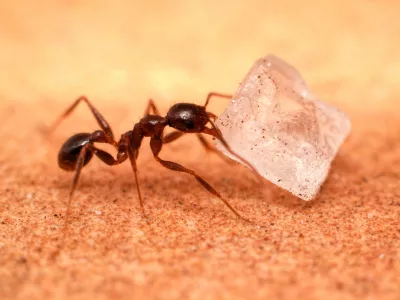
{"x": 212, "y": 149}
{"x": 97, "y": 136}
{"x": 79, "y": 165}
{"x": 169, "y": 138}
{"x": 151, "y": 106}
{"x": 106, "y": 157}
{"x": 132, "y": 154}
{"x": 206, "y": 144}
{"x": 213, "y": 94}
{"x": 215, "y": 132}
{"x": 212, "y": 116}
{"x": 99, "y": 118}
{"x": 156, "y": 145}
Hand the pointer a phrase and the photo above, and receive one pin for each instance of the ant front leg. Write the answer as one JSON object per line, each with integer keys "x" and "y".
{"x": 99, "y": 118}
{"x": 215, "y": 132}
{"x": 213, "y": 94}
{"x": 169, "y": 138}
{"x": 212, "y": 149}
{"x": 156, "y": 144}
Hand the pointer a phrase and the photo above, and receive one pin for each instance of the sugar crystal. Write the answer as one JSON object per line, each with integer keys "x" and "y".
{"x": 287, "y": 134}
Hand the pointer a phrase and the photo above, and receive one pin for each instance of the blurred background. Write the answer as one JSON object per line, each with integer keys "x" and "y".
{"x": 119, "y": 54}
{"x": 128, "y": 51}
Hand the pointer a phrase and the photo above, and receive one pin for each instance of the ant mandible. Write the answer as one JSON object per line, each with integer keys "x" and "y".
{"x": 79, "y": 149}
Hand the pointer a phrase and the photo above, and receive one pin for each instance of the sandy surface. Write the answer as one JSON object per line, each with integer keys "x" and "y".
{"x": 343, "y": 245}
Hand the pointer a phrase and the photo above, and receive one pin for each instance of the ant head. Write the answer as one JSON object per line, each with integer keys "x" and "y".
{"x": 187, "y": 117}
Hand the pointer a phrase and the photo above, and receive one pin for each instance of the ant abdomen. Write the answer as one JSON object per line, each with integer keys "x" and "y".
{"x": 69, "y": 152}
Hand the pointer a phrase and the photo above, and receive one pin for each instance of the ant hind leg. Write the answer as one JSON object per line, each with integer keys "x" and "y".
{"x": 98, "y": 116}
{"x": 79, "y": 165}
{"x": 86, "y": 151}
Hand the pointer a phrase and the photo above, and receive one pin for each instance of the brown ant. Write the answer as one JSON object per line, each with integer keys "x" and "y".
{"x": 79, "y": 149}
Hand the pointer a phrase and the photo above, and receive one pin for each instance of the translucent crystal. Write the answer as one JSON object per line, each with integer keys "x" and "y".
{"x": 287, "y": 134}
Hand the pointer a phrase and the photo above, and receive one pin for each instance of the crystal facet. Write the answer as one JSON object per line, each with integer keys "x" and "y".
{"x": 287, "y": 134}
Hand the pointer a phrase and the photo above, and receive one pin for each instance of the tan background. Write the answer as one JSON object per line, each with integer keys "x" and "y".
{"x": 345, "y": 244}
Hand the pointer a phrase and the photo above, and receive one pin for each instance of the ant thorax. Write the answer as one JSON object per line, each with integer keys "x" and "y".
{"x": 151, "y": 125}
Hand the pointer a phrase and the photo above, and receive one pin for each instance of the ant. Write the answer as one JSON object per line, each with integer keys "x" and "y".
{"x": 79, "y": 149}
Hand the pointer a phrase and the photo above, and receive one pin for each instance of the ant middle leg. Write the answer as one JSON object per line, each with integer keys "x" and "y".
{"x": 98, "y": 116}
{"x": 156, "y": 146}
